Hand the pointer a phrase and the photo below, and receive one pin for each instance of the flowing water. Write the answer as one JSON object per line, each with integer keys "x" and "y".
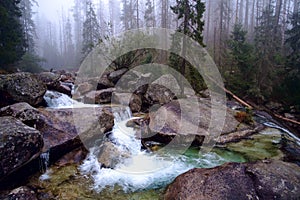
{"x": 144, "y": 173}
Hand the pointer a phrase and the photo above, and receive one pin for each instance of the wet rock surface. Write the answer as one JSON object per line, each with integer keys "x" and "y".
{"x": 21, "y": 87}
{"x": 21, "y": 193}
{"x": 261, "y": 180}
{"x": 109, "y": 155}
{"x": 19, "y": 144}
{"x": 99, "y": 97}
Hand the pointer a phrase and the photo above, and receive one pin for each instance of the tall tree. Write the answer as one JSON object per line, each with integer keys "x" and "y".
{"x": 91, "y": 29}
{"x": 149, "y": 14}
{"x": 191, "y": 15}
{"x": 11, "y": 35}
{"x": 28, "y": 24}
{"x": 241, "y": 54}
{"x": 268, "y": 51}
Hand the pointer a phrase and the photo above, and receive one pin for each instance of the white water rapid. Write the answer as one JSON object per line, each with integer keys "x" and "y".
{"x": 58, "y": 100}
{"x": 142, "y": 170}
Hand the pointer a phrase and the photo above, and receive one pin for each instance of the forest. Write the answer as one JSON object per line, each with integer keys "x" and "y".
{"x": 255, "y": 43}
{"x": 149, "y": 99}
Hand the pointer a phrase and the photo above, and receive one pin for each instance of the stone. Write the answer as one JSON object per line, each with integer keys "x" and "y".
{"x": 51, "y": 80}
{"x": 189, "y": 118}
{"x": 22, "y": 193}
{"x": 261, "y": 180}
{"x": 64, "y": 129}
{"x": 158, "y": 94}
{"x": 134, "y": 101}
{"x": 109, "y": 155}
{"x": 104, "y": 83}
{"x": 99, "y": 97}
{"x": 64, "y": 88}
{"x": 21, "y": 87}
{"x": 84, "y": 88}
{"x": 19, "y": 144}
{"x": 116, "y": 75}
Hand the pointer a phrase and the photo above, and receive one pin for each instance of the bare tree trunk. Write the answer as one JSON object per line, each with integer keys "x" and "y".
{"x": 237, "y": 12}
{"x": 137, "y": 14}
{"x": 241, "y": 11}
{"x": 208, "y": 3}
{"x": 251, "y": 32}
{"x": 277, "y": 14}
{"x": 247, "y": 15}
{"x": 184, "y": 47}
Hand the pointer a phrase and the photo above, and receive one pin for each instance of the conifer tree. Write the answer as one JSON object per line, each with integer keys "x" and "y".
{"x": 11, "y": 37}
{"x": 191, "y": 15}
{"x": 91, "y": 29}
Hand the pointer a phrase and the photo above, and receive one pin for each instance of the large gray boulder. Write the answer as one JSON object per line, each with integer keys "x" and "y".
{"x": 109, "y": 155}
{"x": 188, "y": 120}
{"x": 243, "y": 181}
{"x": 21, "y": 87}
{"x": 64, "y": 129}
{"x": 99, "y": 97}
{"x": 19, "y": 144}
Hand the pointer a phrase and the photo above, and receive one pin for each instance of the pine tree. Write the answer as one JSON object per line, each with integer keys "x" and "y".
{"x": 241, "y": 54}
{"x": 11, "y": 37}
{"x": 293, "y": 41}
{"x": 191, "y": 15}
{"x": 149, "y": 14}
{"x": 28, "y": 24}
{"x": 91, "y": 29}
{"x": 268, "y": 53}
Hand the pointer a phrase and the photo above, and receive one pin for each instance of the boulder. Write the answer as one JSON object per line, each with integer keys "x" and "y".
{"x": 22, "y": 193}
{"x": 189, "y": 118}
{"x": 109, "y": 155}
{"x": 84, "y": 88}
{"x": 134, "y": 101}
{"x": 99, "y": 97}
{"x": 21, "y": 87}
{"x": 64, "y": 88}
{"x": 158, "y": 94}
{"x": 51, "y": 80}
{"x": 261, "y": 180}
{"x": 116, "y": 75}
{"x": 104, "y": 83}
{"x": 64, "y": 129}
{"x": 19, "y": 144}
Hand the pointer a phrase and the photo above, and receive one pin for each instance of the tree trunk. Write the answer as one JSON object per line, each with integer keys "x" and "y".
{"x": 137, "y": 14}
{"x": 247, "y": 15}
{"x": 184, "y": 43}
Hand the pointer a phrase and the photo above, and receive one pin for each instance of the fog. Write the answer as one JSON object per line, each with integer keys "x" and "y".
{"x": 59, "y": 24}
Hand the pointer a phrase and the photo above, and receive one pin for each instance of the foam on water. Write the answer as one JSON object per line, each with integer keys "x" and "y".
{"x": 142, "y": 170}
{"x": 59, "y": 100}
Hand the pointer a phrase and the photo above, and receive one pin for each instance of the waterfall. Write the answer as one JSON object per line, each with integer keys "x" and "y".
{"x": 59, "y": 100}
{"x": 142, "y": 170}
{"x": 44, "y": 164}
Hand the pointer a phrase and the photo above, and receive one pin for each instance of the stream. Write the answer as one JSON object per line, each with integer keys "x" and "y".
{"x": 142, "y": 174}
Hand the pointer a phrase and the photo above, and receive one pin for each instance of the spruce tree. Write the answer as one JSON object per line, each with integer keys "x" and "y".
{"x": 91, "y": 29}
{"x": 241, "y": 54}
{"x": 149, "y": 14}
{"x": 191, "y": 15}
{"x": 28, "y": 24}
{"x": 11, "y": 37}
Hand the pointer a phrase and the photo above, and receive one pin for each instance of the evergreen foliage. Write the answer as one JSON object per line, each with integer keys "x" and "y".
{"x": 91, "y": 29}
{"x": 191, "y": 15}
{"x": 28, "y": 24}
{"x": 240, "y": 77}
{"x": 11, "y": 35}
